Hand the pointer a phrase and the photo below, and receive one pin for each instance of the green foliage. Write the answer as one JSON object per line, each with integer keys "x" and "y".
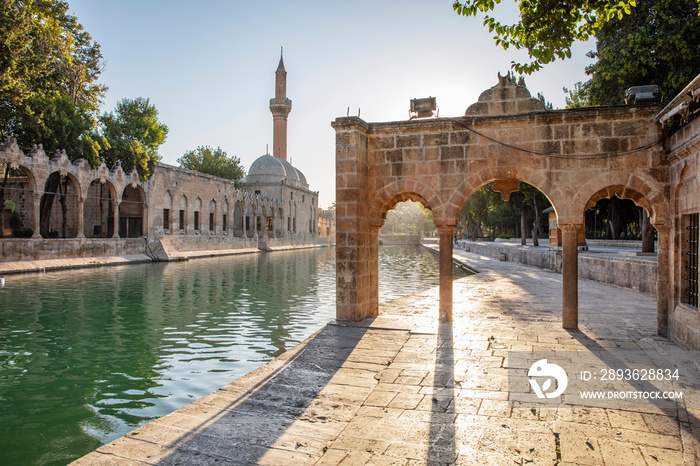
{"x": 410, "y": 212}
{"x": 213, "y": 162}
{"x": 579, "y": 96}
{"x": 134, "y": 135}
{"x": 547, "y": 28}
{"x": 485, "y": 213}
{"x": 46, "y": 55}
{"x": 58, "y": 123}
{"x": 658, "y": 43}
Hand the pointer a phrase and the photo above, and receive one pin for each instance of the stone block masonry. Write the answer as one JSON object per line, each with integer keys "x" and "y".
{"x": 575, "y": 157}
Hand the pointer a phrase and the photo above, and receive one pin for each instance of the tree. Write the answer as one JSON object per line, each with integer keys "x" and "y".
{"x": 658, "y": 43}
{"x": 476, "y": 210}
{"x": 547, "y": 28}
{"x": 49, "y": 93}
{"x": 134, "y": 134}
{"x": 485, "y": 213}
{"x": 213, "y": 162}
{"x": 44, "y": 54}
{"x": 58, "y": 123}
{"x": 579, "y": 96}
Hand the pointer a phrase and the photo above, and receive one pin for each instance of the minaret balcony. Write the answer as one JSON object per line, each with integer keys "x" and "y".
{"x": 280, "y": 106}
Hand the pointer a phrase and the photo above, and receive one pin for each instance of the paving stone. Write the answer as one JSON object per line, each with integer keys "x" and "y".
{"x": 621, "y": 453}
{"x": 627, "y": 420}
{"x": 661, "y": 456}
{"x": 357, "y": 393}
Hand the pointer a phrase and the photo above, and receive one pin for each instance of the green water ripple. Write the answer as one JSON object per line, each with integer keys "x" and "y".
{"x": 88, "y": 355}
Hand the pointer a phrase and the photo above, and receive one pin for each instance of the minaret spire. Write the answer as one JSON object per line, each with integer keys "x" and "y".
{"x": 280, "y": 107}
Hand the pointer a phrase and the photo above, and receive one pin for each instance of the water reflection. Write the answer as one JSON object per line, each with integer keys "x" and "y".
{"x": 87, "y": 355}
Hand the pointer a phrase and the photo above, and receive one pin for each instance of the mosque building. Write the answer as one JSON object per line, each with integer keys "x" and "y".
{"x": 175, "y": 209}
{"x": 274, "y": 176}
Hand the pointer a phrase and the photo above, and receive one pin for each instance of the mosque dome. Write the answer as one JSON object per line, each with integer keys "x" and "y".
{"x": 301, "y": 176}
{"x": 291, "y": 171}
{"x": 267, "y": 165}
{"x": 269, "y": 169}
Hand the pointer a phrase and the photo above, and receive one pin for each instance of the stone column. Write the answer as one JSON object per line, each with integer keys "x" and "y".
{"x": 81, "y": 212}
{"x": 115, "y": 212}
{"x": 374, "y": 270}
{"x": 354, "y": 299}
{"x": 569, "y": 275}
{"x": 446, "y": 273}
{"x": 36, "y": 197}
{"x": 662, "y": 282}
{"x": 144, "y": 220}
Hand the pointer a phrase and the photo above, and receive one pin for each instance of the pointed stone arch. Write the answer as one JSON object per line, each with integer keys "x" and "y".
{"x": 132, "y": 212}
{"x": 212, "y": 217}
{"x": 506, "y": 136}
{"x": 238, "y": 219}
{"x": 60, "y": 205}
{"x": 99, "y": 197}
{"x": 395, "y": 193}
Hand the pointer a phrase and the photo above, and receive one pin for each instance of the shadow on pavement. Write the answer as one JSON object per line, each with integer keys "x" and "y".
{"x": 442, "y": 447}
{"x": 245, "y": 429}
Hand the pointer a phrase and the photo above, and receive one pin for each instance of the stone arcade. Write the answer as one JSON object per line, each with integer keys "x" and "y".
{"x": 575, "y": 157}
{"x": 174, "y": 209}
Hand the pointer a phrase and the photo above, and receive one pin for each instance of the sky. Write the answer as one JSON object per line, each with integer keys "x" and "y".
{"x": 208, "y": 67}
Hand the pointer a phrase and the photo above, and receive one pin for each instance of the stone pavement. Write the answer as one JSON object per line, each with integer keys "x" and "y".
{"x": 402, "y": 389}
{"x": 48, "y": 265}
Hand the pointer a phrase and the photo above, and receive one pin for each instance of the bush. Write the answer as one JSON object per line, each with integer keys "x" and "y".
{"x": 53, "y": 234}
{"x": 22, "y": 233}
{"x": 15, "y": 222}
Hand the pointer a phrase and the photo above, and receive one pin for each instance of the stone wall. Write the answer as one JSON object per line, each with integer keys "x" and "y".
{"x": 684, "y": 157}
{"x": 575, "y": 157}
{"x": 104, "y": 203}
{"x": 636, "y": 275}
{"x": 20, "y": 249}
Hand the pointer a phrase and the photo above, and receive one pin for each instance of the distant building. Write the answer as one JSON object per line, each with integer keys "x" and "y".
{"x": 326, "y": 225}
{"x": 274, "y": 177}
{"x": 182, "y": 209}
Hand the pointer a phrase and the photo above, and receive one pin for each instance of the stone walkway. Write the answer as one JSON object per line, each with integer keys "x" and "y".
{"x": 401, "y": 389}
{"x": 49, "y": 265}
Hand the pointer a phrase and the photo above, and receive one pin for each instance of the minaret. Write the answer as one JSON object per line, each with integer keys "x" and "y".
{"x": 280, "y": 107}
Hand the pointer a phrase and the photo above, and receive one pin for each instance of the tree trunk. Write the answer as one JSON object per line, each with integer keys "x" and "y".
{"x": 523, "y": 225}
{"x": 613, "y": 222}
{"x": 536, "y": 225}
{"x": 647, "y": 233}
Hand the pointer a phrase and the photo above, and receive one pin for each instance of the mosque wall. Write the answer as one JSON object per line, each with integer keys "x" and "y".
{"x": 684, "y": 158}
{"x": 198, "y": 210}
{"x": 272, "y": 207}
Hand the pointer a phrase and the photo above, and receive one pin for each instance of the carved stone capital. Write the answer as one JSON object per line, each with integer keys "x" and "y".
{"x": 570, "y": 227}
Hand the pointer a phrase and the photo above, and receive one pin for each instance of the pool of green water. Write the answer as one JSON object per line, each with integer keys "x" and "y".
{"x": 88, "y": 355}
